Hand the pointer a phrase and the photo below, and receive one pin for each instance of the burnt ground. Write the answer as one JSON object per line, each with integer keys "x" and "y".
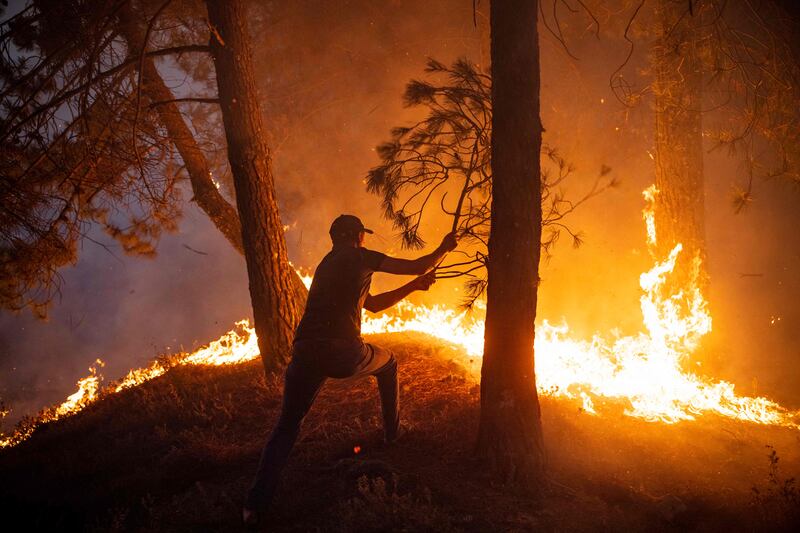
{"x": 177, "y": 454}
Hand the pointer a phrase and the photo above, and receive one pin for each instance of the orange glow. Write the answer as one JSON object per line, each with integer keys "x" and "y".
{"x": 645, "y": 373}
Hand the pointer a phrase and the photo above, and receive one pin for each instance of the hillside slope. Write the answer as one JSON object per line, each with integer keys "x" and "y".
{"x": 177, "y": 454}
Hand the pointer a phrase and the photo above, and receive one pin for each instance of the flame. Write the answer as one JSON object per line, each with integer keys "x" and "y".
{"x": 88, "y": 388}
{"x": 649, "y": 215}
{"x": 305, "y": 278}
{"x": 88, "y": 392}
{"x": 643, "y": 372}
{"x": 236, "y": 346}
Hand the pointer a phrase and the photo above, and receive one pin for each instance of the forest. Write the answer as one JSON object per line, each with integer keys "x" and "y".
{"x": 603, "y": 340}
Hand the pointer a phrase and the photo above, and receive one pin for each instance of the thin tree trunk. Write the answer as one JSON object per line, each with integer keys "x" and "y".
{"x": 275, "y": 308}
{"x": 206, "y": 194}
{"x": 510, "y": 434}
{"x": 221, "y": 213}
{"x": 679, "y": 203}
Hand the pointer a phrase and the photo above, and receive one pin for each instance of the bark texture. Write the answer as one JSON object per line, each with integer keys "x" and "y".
{"x": 221, "y": 213}
{"x": 678, "y": 88}
{"x": 205, "y": 193}
{"x": 510, "y": 434}
{"x": 276, "y": 309}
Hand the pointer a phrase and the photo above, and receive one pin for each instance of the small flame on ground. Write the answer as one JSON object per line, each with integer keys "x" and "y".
{"x": 644, "y": 372}
{"x": 88, "y": 388}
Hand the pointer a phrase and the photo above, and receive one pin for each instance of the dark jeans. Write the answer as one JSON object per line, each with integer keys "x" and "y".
{"x": 312, "y": 363}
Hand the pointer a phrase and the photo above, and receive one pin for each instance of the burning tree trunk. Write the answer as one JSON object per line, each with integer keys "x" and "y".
{"x": 276, "y": 309}
{"x": 679, "y": 202}
{"x": 510, "y": 434}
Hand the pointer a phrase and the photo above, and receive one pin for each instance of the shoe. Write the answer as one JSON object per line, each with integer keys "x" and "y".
{"x": 399, "y": 434}
{"x": 249, "y": 517}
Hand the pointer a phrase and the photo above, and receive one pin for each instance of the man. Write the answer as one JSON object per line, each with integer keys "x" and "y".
{"x": 328, "y": 342}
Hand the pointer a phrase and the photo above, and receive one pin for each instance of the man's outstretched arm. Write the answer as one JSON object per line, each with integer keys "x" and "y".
{"x": 420, "y": 265}
{"x": 379, "y": 302}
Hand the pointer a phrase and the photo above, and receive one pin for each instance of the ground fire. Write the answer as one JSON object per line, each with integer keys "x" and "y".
{"x": 647, "y": 374}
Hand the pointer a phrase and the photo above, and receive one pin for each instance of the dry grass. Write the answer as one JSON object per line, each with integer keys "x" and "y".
{"x": 177, "y": 453}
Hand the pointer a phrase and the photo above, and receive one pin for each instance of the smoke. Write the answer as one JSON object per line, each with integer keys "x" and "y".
{"x": 124, "y": 311}
{"x": 332, "y": 75}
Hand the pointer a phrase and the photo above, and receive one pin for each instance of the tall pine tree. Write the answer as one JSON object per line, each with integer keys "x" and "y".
{"x": 510, "y": 434}
{"x": 276, "y": 310}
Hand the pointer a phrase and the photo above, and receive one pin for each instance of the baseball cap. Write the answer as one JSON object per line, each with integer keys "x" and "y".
{"x": 347, "y": 224}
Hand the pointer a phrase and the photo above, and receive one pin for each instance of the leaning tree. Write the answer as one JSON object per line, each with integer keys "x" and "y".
{"x": 271, "y": 277}
{"x": 92, "y": 136}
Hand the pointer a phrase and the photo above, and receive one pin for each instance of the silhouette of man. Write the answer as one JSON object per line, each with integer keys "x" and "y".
{"x": 328, "y": 342}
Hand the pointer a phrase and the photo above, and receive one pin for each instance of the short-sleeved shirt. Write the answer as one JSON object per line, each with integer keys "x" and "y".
{"x": 336, "y": 297}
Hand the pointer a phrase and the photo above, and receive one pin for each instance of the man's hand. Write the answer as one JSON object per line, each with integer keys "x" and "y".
{"x": 449, "y": 242}
{"x": 379, "y": 302}
{"x": 424, "y": 282}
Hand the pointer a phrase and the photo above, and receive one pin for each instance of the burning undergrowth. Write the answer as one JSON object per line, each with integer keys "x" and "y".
{"x": 177, "y": 453}
{"x": 175, "y": 442}
{"x": 648, "y": 375}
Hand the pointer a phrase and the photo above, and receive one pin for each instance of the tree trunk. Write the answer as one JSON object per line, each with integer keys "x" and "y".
{"x": 275, "y": 308}
{"x": 209, "y": 199}
{"x": 510, "y": 434}
{"x": 221, "y": 213}
{"x": 679, "y": 202}
{"x": 206, "y": 194}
